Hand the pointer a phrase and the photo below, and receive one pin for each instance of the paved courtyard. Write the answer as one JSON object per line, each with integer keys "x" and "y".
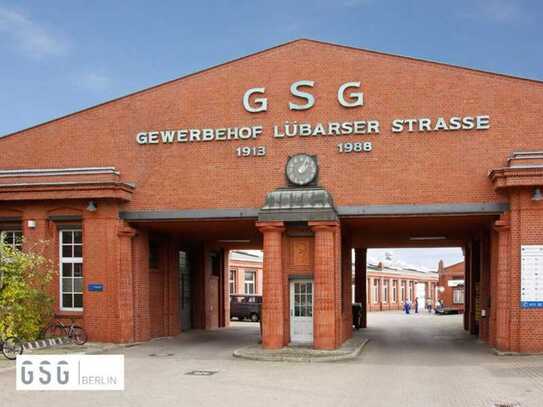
{"x": 415, "y": 360}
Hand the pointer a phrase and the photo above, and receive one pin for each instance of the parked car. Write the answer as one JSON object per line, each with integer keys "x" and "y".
{"x": 245, "y": 307}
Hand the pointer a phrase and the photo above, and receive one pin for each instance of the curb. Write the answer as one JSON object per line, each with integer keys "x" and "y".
{"x": 277, "y": 357}
{"x": 45, "y": 343}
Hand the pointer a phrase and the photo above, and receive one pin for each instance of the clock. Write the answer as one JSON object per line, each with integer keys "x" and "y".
{"x": 302, "y": 169}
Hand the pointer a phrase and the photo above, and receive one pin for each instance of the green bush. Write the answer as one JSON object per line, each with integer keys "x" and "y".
{"x": 25, "y": 304}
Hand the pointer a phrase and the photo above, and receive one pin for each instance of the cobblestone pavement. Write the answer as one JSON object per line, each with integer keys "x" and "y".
{"x": 410, "y": 361}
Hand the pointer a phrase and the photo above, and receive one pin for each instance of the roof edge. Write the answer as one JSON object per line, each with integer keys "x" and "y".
{"x": 266, "y": 50}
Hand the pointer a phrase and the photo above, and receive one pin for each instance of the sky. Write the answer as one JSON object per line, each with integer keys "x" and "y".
{"x": 61, "y": 56}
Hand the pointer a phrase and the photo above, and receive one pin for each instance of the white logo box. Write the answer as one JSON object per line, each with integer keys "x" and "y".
{"x": 70, "y": 372}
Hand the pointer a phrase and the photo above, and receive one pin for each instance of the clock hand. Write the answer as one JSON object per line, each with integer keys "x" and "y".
{"x": 304, "y": 166}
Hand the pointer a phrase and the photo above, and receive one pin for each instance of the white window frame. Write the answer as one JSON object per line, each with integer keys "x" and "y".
{"x": 457, "y": 290}
{"x": 249, "y": 282}
{"x": 386, "y": 291}
{"x": 69, "y": 260}
{"x": 3, "y": 233}
{"x": 232, "y": 282}
{"x": 394, "y": 291}
{"x": 375, "y": 291}
{"x": 403, "y": 289}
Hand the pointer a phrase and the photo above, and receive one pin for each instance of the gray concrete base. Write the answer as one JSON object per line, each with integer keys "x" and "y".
{"x": 349, "y": 350}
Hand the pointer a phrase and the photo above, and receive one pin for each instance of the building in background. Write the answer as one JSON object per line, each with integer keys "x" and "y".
{"x": 390, "y": 285}
{"x": 245, "y": 272}
{"x": 451, "y": 286}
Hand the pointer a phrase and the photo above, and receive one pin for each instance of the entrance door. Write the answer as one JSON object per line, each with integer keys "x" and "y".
{"x": 185, "y": 292}
{"x": 301, "y": 311}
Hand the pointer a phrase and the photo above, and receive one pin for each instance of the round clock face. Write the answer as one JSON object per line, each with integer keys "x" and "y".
{"x": 301, "y": 169}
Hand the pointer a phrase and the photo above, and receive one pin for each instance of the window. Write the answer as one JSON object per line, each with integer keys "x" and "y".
{"x": 71, "y": 269}
{"x": 394, "y": 291}
{"x": 232, "y": 281}
{"x": 410, "y": 291}
{"x": 250, "y": 280}
{"x": 12, "y": 238}
{"x": 385, "y": 289}
{"x": 403, "y": 290}
{"x": 375, "y": 291}
{"x": 458, "y": 295}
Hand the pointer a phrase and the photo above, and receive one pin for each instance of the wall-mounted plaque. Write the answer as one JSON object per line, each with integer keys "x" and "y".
{"x": 531, "y": 276}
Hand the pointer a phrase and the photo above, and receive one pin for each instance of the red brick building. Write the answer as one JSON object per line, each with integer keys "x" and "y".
{"x": 245, "y": 272}
{"x": 390, "y": 286}
{"x": 451, "y": 286}
{"x": 139, "y": 199}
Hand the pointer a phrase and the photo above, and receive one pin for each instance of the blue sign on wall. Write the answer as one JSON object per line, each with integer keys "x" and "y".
{"x": 95, "y": 287}
{"x": 531, "y": 304}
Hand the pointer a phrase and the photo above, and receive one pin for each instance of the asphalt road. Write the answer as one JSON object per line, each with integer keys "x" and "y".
{"x": 415, "y": 360}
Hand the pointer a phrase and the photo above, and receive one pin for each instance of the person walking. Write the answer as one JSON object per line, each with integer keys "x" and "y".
{"x": 416, "y": 305}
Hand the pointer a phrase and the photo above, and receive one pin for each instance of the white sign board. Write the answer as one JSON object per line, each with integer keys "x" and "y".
{"x": 455, "y": 283}
{"x": 531, "y": 276}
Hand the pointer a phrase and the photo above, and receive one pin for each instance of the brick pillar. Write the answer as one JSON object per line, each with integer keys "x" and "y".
{"x": 485, "y": 288}
{"x": 360, "y": 261}
{"x": 273, "y": 318}
{"x": 326, "y": 280}
{"x": 125, "y": 286}
{"x": 503, "y": 287}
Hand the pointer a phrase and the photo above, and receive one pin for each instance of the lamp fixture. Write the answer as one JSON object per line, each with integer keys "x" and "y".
{"x": 536, "y": 194}
{"x": 91, "y": 207}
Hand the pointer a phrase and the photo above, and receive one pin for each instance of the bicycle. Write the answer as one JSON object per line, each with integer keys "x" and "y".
{"x": 74, "y": 333}
{"x": 11, "y": 347}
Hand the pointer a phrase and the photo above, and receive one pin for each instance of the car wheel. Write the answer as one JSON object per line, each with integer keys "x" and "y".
{"x": 254, "y": 318}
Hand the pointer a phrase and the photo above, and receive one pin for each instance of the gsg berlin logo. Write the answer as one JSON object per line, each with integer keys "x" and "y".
{"x": 70, "y": 372}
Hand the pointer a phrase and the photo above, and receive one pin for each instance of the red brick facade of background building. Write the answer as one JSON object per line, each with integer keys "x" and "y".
{"x": 86, "y": 172}
{"x": 452, "y": 286}
{"x": 245, "y": 273}
{"x": 390, "y": 287}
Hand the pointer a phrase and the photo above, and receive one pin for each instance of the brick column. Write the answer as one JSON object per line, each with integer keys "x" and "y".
{"x": 126, "y": 285}
{"x": 273, "y": 318}
{"x": 360, "y": 261}
{"x": 326, "y": 280}
{"x": 503, "y": 287}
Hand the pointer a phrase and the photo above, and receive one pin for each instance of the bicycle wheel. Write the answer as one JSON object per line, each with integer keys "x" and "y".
{"x": 12, "y": 347}
{"x": 78, "y": 335}
{"x": 55, "y": 331}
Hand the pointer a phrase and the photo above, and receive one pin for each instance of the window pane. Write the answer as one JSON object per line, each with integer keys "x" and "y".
{"x": 78, "y": 251}
{"x": 67, "y": 237}
{"x": 67, "y": 285}
{"x": 78, "y": 300}
{"x": 67, "y": 251}
{"x": 78, "y": 237}
{"x": 78, "y": 285}
{"x": 67, "y": 300}
{"x": 78, "y": 270}
{"x": 66, "y": 269}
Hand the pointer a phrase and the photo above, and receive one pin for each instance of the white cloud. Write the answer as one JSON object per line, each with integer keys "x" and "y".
{"x": 93, "y": 81}
{"x": 28, "y": 36}
{"x": 420, "y": 258}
